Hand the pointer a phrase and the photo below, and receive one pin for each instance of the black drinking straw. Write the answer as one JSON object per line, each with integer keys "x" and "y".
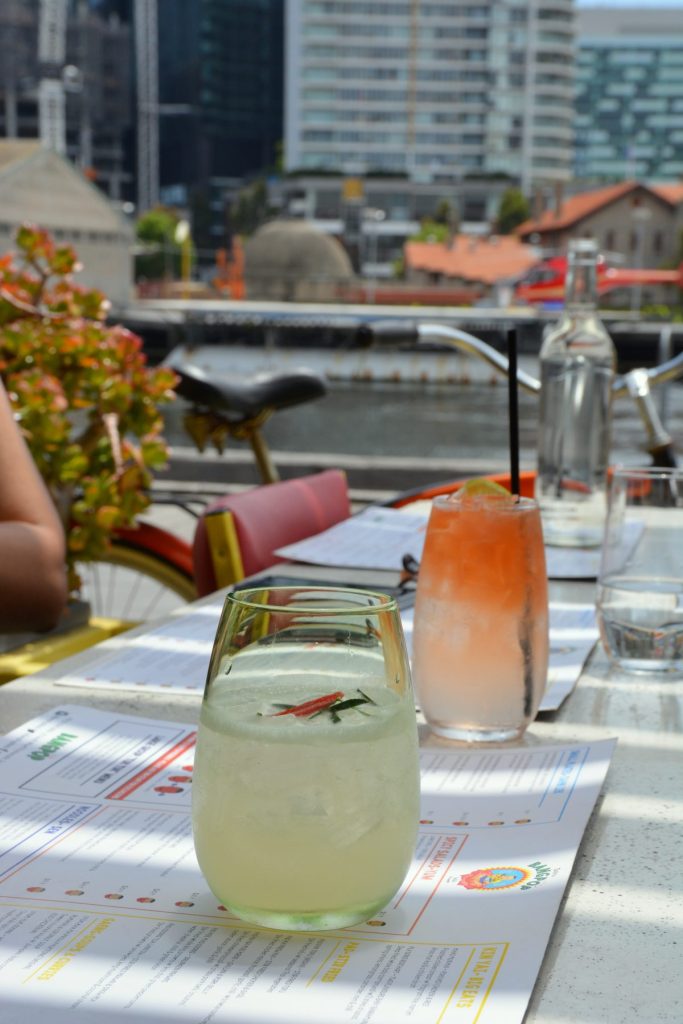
{"x": 513, "y": 410}
{"x": 513, "y": 417}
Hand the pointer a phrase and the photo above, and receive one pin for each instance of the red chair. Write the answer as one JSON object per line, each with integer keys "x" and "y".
{"x": 238, "y": 534}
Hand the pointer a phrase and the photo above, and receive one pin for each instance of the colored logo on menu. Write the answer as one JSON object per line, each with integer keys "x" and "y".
{"x": 501, "y": 878}
{"x": 52, "y": 746}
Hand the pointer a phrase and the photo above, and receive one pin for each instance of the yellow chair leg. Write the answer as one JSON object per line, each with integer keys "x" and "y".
{"x": 224, "y": 546}
{"x": 40, "y": 654}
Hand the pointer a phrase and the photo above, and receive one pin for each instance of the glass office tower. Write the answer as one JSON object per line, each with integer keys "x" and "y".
{"x": 220, "y": 88}
{"x": 629, "y": 105}
{"x": 220, "y": 94}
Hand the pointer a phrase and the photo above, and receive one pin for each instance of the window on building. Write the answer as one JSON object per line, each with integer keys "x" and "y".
{"x": 474, "y": 208}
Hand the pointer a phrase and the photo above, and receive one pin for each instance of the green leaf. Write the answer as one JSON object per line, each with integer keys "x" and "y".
{"x": 64, "y": 368}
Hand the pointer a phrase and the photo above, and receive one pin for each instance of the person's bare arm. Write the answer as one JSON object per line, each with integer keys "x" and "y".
{"x": 33, "y": 589}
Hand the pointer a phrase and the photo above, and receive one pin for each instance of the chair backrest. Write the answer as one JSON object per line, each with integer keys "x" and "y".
{"x": 238, "y": 534}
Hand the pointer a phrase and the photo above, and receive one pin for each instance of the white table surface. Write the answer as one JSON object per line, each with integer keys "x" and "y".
{"x": 612, "y": 956}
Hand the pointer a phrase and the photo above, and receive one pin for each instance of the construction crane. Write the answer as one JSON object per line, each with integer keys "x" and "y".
{"x": 55, "y": 81}
{"x": 147, "y": 73}
{"x": 51, "y": 59}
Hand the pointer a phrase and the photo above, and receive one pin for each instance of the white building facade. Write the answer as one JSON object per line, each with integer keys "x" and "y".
{"x": 435, "y": 90}
{"x": 40, "y": 187}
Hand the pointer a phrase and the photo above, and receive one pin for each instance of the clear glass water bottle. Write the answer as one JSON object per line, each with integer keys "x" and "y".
{"x": 578, "y": 361}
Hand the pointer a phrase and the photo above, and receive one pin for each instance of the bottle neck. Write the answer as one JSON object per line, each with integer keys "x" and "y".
{"x": 580, "y": 290}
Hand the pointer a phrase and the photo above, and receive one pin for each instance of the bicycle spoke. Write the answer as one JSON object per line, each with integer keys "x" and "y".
{"x": 130, "y": 593}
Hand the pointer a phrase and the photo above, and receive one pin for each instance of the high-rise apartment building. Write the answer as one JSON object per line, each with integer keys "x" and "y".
{"x": 431, "y": 89}
{"x": 629, "y": 104}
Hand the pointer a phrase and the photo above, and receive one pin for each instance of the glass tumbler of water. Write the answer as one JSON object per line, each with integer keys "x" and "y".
{"x": 640, "y": 587}
{"x": 306, "y": 789}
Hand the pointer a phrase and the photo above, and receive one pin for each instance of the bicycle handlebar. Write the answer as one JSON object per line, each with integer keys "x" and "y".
{"x": 636, "y": 383}
{"x": 475, "y": 346}
{"x": 395, "y": 332}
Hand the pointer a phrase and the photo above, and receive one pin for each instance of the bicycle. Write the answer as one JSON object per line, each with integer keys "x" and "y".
{"x": 152, "y": 554}
{"x": 636, "y": 383}
{"x": 117, "y": 586}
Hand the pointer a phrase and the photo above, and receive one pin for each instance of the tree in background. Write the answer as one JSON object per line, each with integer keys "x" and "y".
{"x": 514, "y": 209}
{"x": 159, "y": 257}
{"x": 251, "y": 209}
{"x": 661, "y": 311}
{"x": 432, "y": 231}
{"x": 445, "y": 213}
{"x": 438, "y": 229}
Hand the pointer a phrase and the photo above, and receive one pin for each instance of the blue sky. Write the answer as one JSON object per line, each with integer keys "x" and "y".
{"x": 630, "y": 3}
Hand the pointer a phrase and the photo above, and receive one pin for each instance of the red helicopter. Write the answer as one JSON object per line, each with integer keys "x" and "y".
{"x": 545, "y": 281}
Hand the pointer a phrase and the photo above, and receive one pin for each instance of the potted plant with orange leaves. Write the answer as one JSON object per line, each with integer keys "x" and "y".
{"x": 85, "y": 398}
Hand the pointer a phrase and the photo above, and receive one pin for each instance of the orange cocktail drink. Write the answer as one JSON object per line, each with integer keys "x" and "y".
{"x": 480, "y": 640}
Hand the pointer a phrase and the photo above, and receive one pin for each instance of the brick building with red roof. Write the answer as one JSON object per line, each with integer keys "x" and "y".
{"x": 637, "y": 222}
{"x": 635, "y": 226}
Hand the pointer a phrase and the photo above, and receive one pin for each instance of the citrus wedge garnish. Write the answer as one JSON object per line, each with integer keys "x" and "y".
{"x": 481, "y": 485}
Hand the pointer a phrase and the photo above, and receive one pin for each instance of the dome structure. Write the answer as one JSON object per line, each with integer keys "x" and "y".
{"x": 288, "y": 260}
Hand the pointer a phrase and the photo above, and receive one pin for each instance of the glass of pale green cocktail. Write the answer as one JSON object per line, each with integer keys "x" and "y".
{"x": 306, "y": 787}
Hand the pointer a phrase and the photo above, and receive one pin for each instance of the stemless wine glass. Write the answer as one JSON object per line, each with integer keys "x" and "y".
{"x": 306, "y": 788}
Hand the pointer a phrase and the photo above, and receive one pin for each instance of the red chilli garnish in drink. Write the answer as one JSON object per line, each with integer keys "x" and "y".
{"x": 310, "y": 707}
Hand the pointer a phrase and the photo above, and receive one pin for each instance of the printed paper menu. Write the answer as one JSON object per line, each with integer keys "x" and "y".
{"x": 171, "y": 656}
{"x": 378, "y": 538}
{"x": 375, "y": 538}
{"x": 175, "y": 655}
{"x": 105, "y": 915}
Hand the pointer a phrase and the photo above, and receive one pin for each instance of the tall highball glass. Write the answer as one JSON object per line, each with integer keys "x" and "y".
{"x": 306, "y": 791}
{"x": 480, "y": 637}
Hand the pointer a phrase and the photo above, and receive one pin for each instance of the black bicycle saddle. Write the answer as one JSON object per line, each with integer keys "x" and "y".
{"x": 250, "y": 396}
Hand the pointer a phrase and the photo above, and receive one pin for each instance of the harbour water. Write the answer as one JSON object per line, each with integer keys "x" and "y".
{"x": 463, "y": 426}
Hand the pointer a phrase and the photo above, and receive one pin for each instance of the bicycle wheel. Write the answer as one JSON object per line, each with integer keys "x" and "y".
{"x": 134, "y": 585}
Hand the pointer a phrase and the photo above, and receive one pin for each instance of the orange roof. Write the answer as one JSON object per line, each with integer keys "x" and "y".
{"x": 671, "y": 191}
{"x": 576, "y": 208}
{"x": 471, "y": 258}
